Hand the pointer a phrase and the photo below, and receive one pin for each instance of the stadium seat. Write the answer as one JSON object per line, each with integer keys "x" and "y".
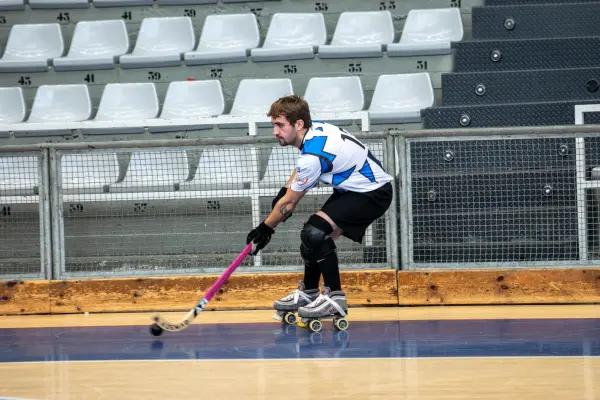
{"x": 428, "y": 32}
{"x": 30, "y": 47}
{"x": 121, "y": 3}
{"x": 160, "y": 43}
{"x": 58, "y": 104}
{"x": 58, "y": 4}
{"x": 255, "y": 96}
{"x": 12, "y": 105}
{"x": 153, "y": 171}
{"x": 337, "y": 100}
{"x": 360, "y": 34}
{"x": 88, "y": 172}
{"x": 280, "y": 166}
{"x": 225, "y": 39}
{"x": 18, "y": 175}
{"x": 292, "y": 36}
{"x": 335, "y": 94}
{"x": 400, "y": 98}
{"x": 6, "y": 5}
{"x": 95, "y": 45}
{"x": 123, "y": 105}
{"x": 222, "y": 169}
{"x": 185, "y": 2}
{"x": 185, "y": 100}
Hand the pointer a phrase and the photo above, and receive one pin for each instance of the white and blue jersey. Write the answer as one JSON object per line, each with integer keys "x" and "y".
{"x": 333, "y": 156}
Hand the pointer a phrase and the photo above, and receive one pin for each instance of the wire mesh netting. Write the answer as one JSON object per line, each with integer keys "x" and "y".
{"x": 186, "y": 210}
{"x": 20, "y": 244}
{"x": 496, "y": 201}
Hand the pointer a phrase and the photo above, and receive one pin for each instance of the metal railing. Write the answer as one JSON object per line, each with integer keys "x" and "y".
{"x": 513, "y": 197}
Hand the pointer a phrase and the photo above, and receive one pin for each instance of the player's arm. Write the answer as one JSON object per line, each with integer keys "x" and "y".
{"x": 284, "y": 207}
{"x": 305, "y": 176}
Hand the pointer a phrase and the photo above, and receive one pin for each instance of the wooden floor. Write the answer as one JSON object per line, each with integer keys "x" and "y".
{"x": 488, "y": 352}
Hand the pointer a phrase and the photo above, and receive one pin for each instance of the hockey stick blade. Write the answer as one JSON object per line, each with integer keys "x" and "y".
{"x": 193, "y": 313}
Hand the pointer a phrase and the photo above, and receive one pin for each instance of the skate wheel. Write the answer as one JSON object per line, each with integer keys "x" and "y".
{"x": 289, "y": 318}
{"x": 341, "y": 324}
{"x": 315, "y": 325}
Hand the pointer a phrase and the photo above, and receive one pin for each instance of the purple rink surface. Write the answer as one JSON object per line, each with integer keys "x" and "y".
{"x": 369, "y": 339}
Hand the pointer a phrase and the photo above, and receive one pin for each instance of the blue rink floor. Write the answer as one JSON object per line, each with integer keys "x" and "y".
{"x": 380, "y": 339}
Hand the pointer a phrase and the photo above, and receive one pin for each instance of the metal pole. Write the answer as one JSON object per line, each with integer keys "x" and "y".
{"x": 392, "y": 235}
{"x": 45, "y": 218}
{"x": 403, "y": 198}
{"x": 56, "y": 215}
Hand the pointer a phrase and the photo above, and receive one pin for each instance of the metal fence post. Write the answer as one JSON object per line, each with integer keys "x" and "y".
{"x": 56, "y": 212}
{"x": 45, "y": 218}
{"x": 403, "y": 195}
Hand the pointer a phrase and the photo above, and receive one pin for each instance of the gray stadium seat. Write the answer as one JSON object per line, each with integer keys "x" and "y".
{"x": 160, "y": 43}
{"x": 280, "y": 167}
{"x": 186, "y": 100}
{"x": 58, "y": 4}
{"x": 6, "y": 5}
{"x": 292, "y": 36}
{"x": 185, "y": 2}
{"x": 153, "y": 171}
{"x": 255, "y": 96}
{"x": 88, "y": 173}
{"x": 31, "y": 46}
{"x": 360, "y": 34}
{"x": 95, "y": 45}
{"x": 12, "y": 105}
{"x": 400, "y": 98}
{"x": 18, "y": 175}
{"x": 123, "y": 106}
{"x": 224, "y": 39}
{"x": 428, "y": 32}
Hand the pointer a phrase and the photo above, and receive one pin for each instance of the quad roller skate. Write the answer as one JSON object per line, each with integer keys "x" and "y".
{"x": 329, "y": 305}
{"x": 287, "y": 307}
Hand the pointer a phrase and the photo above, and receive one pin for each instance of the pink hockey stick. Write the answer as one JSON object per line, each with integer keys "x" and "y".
{"x": 161, "y": 324}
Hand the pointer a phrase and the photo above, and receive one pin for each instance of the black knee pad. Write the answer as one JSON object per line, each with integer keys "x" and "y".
{"x": 316, "y": 241}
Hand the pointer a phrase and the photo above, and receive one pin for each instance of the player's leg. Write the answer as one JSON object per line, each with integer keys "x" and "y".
{"x": 318, "y": 248}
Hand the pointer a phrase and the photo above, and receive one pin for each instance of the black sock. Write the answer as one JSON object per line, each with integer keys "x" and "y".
{"x": 331, "y": 271}
{"x": 312, "y": 274}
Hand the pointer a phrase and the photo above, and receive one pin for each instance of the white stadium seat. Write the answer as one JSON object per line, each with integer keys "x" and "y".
{"x": 255, "y": 96}
{"x": 58, "y": 4}
{"x": 88, "y": 172}
{"x": 6, "y": 5}
{"x": 400, "y": 98}
{"x": 428, "y": 32}
{"x": 18, "y": 175}
{"x": 335, "y": 94}
{"x": 360, "y": 34}
{"x": 55, "y": 104}
{"x": 225, "y": 39}
{"x": 95, "y": 45}
{"x": 126, "y": 102}
{"x": 223, "y": 169}
{"x": 12, "y": 105}
{"x": 160, "y": 43}
{"x": 292, "y": 36}
{"x": 30, "y": 47}
{"x": 187, "y": 100}
{"x": 61, "y": 103}
{"x": 153, "y": 171}
{"x": 280, "y": 167}
{"x": 121, "y": 3}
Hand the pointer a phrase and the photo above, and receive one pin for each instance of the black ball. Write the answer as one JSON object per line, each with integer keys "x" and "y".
{"x": 156, "y": 330}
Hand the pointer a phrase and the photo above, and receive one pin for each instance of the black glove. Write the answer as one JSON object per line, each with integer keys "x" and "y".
{"x": 261, "y": 235}
{"x": 279, "y": 196}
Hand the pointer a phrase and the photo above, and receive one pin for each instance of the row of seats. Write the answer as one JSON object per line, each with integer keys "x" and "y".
{"x": 131, "y": 107}
{"x": 20, "y": 4}
{"x": 169, "y": 41}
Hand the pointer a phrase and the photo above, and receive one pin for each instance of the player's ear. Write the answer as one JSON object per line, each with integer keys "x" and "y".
{"x": 299, "y": 124}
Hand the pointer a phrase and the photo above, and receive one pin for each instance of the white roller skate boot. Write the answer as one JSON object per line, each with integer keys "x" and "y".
{"x": 287, "y": 306}
{"x": 329, "y": 305}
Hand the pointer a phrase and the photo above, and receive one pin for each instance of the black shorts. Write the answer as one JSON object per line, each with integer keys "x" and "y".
{"x": 353, "y": 212}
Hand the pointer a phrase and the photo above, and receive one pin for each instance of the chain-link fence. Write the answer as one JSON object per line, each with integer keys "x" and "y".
{"x": 476, "y": 202}
{"x": 182, "y": 210}
{"x": 23, "y": 215}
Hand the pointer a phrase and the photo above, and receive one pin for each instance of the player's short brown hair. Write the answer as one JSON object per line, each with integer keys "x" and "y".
{"x": 293, "y": 108}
